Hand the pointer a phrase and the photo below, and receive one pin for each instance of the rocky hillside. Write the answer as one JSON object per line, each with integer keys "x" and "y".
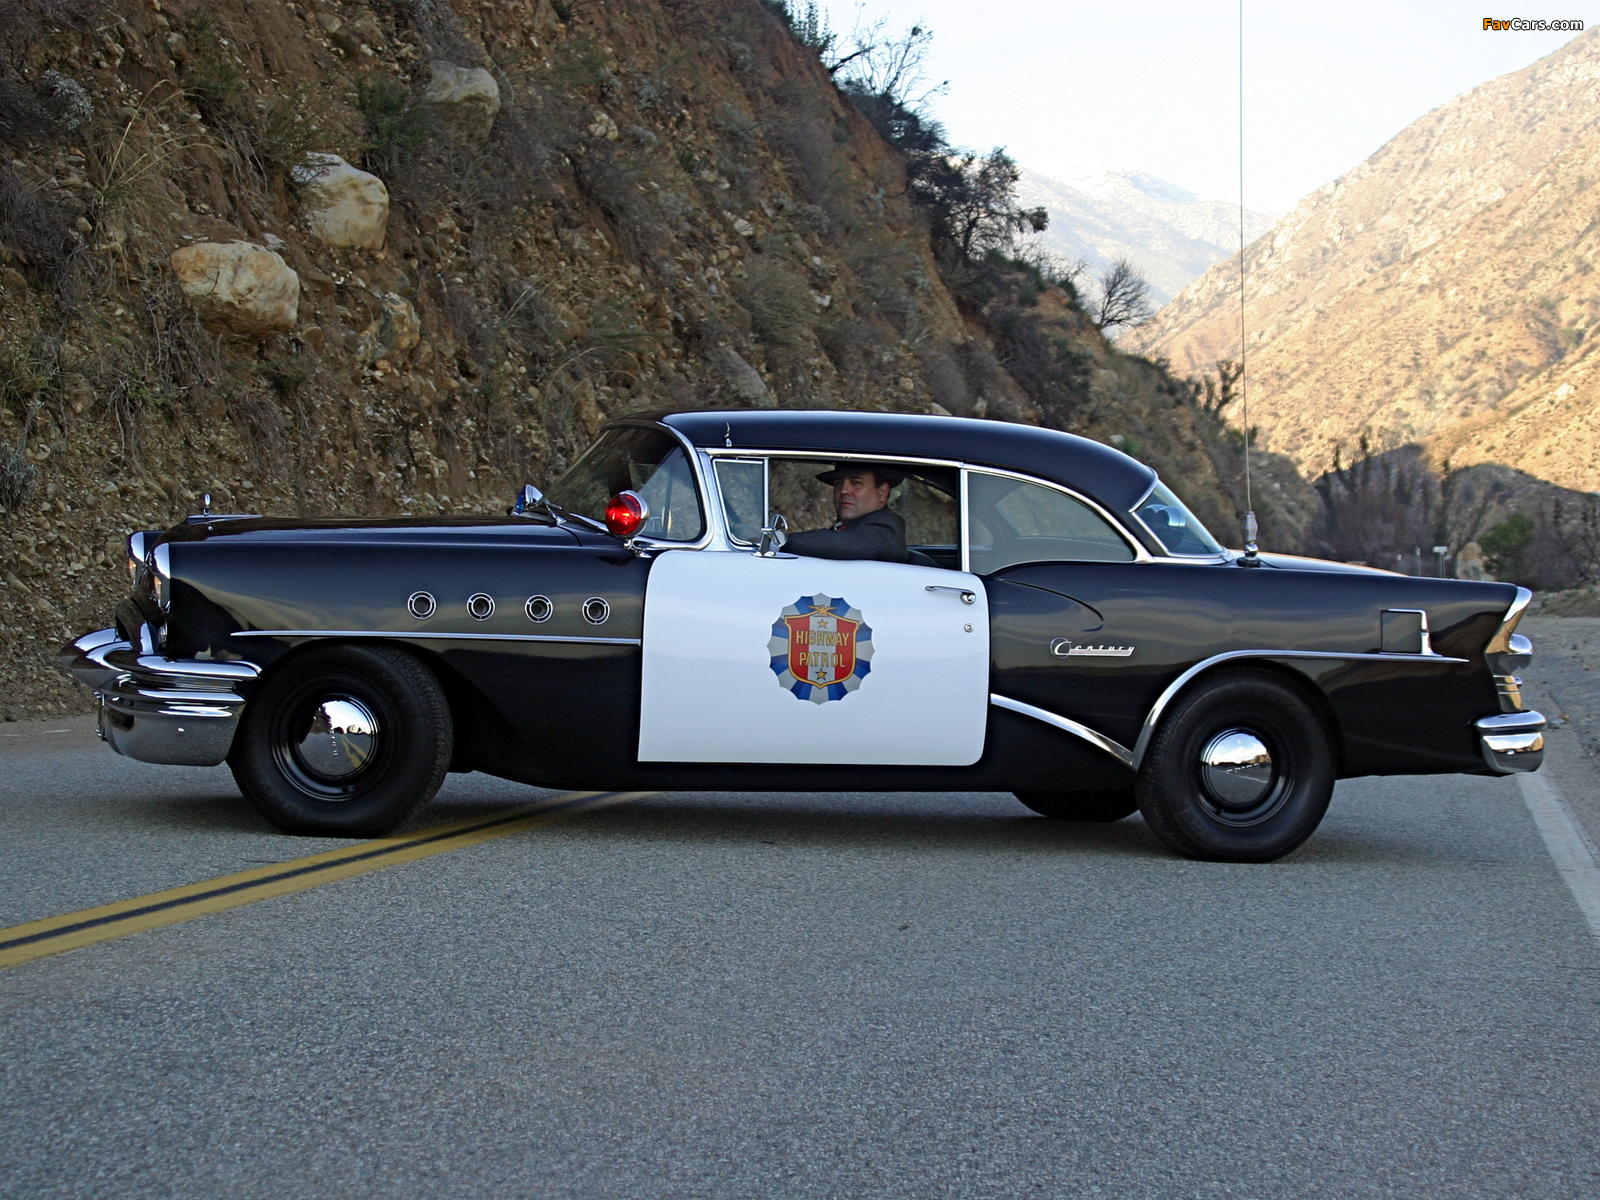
{"x": 1442, "y": 292}
{"x": 401, "y": 256}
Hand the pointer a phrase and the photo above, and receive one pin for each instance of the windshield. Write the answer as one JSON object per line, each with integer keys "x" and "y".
{"x": 641, "y": 460}
{"x": 1176, "y": 527}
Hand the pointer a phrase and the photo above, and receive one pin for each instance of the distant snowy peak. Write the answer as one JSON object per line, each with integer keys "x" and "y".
{"x": 1100, "y": 212}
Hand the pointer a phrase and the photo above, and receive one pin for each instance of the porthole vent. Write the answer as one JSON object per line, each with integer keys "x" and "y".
{"x": 480, "y": 606}
{"x": 539, "y": 609}
{"x": 596, "y": 610}
{"x": 422, "y": 605}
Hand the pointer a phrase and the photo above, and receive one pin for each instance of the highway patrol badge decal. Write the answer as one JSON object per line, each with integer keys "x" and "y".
{"x": 821, "y": 649}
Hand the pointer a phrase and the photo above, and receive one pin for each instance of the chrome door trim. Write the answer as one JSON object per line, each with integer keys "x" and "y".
{"x": 1099, "y": 740}
{"x": 1177, "y": 685}
{"x": 414, "y": 635}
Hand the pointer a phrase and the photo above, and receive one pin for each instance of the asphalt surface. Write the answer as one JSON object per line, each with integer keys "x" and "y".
{"x": 787, "y": 995}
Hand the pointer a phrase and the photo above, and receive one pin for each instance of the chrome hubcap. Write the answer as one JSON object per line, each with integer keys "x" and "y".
{"x": 1236, "y": 769}
{"x": 340, "y": 740}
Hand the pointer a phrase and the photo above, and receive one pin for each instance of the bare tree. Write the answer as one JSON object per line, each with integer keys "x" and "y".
{"x": 880, "y": 64}
{"x": 1124, "y": 298}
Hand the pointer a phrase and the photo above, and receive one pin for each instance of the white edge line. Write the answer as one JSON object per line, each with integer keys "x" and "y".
{"x": 1568, "y": 843}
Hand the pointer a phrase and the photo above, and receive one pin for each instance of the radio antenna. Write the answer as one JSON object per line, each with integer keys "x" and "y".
{"x": 1244, "y": 378}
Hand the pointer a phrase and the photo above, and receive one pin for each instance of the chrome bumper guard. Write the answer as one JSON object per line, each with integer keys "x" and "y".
{"x": 155, "y": 709}
{"x": 1512, "y": 741}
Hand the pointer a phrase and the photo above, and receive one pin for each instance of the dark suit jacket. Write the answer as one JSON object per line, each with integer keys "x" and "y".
{"x": 879, "y": 535}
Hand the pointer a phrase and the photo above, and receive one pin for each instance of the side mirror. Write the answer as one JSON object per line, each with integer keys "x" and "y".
{"x": 528, "y": 498}
{"x": 774, "y": 536}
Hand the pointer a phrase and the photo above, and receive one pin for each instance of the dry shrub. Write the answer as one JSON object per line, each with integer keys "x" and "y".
{"x": 40, "y": 234}
{"x": 782, "y": 312}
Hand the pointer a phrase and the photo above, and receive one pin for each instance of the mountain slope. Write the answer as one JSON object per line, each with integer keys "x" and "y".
{"x": 1443, "y": 291}
{"x": 1100, "y": 213}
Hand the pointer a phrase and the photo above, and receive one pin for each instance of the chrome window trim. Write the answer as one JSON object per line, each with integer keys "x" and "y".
{"x": 1140, "y": 554}
{"x": 1099, "y": 740}
{"x": 963, "y": 525}
{"x": 962, "y": 467}
{"x": 825, "y": 456}
{"x": 1154, "y": 716}
{"x": 766, "y": 492}
{"x": 413, "y": 635}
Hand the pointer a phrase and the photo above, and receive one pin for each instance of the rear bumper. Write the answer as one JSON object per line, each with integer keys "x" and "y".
{"x": 1511, "y": 742}
{"x": 180, "y": 712}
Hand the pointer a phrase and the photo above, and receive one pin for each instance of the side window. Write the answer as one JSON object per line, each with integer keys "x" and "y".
{"x": 926, "y": 500}
{"x": 1012, "y": 521}
{"x": 743, "y": 483}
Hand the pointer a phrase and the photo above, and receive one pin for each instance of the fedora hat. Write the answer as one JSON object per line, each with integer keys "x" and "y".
{"x": 882, "y": 472}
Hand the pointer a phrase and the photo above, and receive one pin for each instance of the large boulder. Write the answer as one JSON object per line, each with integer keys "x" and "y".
{"x": 464, "y": 100}
{"x": 744, "y": 379}
{"x": 344, "y": 206}
{"x": 238, "y": 287}
{"x": 395, "y": 333}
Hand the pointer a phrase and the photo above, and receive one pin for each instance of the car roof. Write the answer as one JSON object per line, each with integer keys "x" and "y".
{"x": 1097, "y": 470}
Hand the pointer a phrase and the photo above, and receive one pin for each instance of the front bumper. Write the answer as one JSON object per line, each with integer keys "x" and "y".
{"x": 159, "y": 710}
{"x": 1511, "y": 741}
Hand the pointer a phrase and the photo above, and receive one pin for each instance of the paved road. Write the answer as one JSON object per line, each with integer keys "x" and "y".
{"x": 794, "y": 996}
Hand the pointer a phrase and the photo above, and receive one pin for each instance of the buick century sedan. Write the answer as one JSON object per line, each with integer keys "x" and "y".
{"x": 1057, "y": 624}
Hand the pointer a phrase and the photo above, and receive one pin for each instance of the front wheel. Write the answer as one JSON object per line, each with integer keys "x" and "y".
{"x": 1240, "y": 770}
{"x": 343, "y": 741}
{"x": 1096, "y": 804}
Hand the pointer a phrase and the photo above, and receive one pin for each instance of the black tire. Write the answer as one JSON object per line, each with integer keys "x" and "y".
{"x": 1241, "y": 814}
{"x": 1098, "y": 804}
{"x": 301, "y": 783}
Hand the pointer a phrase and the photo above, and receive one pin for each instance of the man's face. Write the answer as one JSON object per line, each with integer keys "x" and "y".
{"x": 859, "y": 493}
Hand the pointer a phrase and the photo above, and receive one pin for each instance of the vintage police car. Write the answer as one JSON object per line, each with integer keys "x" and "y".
{"x": 1066, "y": 630}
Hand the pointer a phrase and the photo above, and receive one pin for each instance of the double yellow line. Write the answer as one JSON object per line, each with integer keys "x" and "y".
{"x": 70, "y": 931}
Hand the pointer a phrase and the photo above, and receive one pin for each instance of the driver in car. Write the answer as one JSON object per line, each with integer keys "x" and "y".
{"x": 866, "y": 527}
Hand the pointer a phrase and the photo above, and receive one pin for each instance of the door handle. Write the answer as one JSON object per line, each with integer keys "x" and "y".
{"x": 967, "y": 597}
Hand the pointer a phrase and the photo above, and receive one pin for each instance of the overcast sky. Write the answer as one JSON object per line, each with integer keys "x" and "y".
{"x": 1154, "y": 84}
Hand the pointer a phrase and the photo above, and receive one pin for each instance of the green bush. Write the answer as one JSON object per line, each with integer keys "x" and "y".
{"x": 397, "y": 127}
{"x": 1505, "y": 544}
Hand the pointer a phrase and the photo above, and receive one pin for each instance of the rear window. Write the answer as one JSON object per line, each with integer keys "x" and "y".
{"x": 1174, "y": 525}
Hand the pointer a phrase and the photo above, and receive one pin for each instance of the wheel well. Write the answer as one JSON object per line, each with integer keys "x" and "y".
{"x": 1308, "y": 691}
{"x": 478, "y": 724}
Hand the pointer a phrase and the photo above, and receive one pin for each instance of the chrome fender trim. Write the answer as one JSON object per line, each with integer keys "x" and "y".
{"x": 413, "y": 635}
{"x": 1099, "y": 740}
{"x": 1153, "y": 718}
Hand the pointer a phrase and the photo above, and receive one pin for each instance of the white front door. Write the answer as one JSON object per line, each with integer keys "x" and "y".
{"x": 808, "y": 660}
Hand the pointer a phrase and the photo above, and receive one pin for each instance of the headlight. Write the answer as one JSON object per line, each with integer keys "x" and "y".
{"x": 161, "y": 569}
{"x": 138, "y": 567}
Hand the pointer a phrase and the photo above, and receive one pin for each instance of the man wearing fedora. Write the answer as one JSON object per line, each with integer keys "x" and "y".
{"x": 865, "y": 528}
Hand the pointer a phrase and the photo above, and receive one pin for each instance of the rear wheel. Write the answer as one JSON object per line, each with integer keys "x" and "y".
{"x": 344, "y": 741}
{"x": 1240, "y": 770}
{"x": 1098, "y": 804}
